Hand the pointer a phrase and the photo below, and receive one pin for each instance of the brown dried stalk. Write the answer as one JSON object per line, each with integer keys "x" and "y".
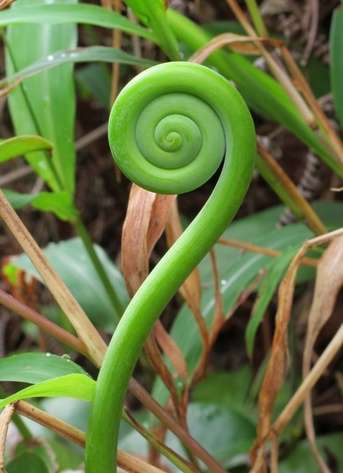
{"x": 125, "y": 460}
{"x": 277, "y": 364}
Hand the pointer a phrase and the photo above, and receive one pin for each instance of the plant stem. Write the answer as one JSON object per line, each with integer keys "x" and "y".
{"x": 22, "y": 427}
{"x": 84, "y": 328}
{"x": 256, "y": 17}
{"x": 99, "y": 268}
{"x": 282, "y": 185}
{"x": 130, "y": 462}
{"x": 12, "y": 304}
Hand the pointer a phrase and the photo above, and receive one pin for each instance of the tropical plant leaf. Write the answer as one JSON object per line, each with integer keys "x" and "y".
{"x": 90, "y": 54}
{"x": 61, "y": 13}
{"x": 59, "y": 203}
{"x": 299, "y": 461}
{"x": 27, "y": 462}
{"x": 36, "y": 367}
{"x": 336, "y": 48}
{"x": 40, "y": 105}
{"x": 153, "y": 14}
{"x": 72, "y": 263}
{"x": 19, "y": 145}
{"x": 77, "y": 386}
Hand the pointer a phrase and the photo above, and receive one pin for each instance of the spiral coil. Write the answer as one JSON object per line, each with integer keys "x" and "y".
{"x": 169, "y": 130}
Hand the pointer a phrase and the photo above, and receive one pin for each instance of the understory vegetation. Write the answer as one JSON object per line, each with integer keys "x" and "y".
{"x": 171, "y": 236}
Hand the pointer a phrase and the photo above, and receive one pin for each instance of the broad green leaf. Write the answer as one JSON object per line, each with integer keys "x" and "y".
{"x": 19, "y": 145}
{"x": 59, "y": 203}
{"x": 263, "y": 94}
{"x": 222, "y": 431}
{"x": 229, "y": 389}
{"x": 231, "y": 434}
{"x": 36, "y": 367}
{"x": 91, "y": 54}
{"x": 336, "y": 51}
{"x": 299, "y": 460}
{"x": 71, "y": 261}
{"x": 17, "y": 199}
{"x": 60, "y": 12}
{"x": 265, "y": 293}
{"x": 153, "y": 13}
{"x": 27, "y": 462}
{"x": 77, "y": 386}
{"x": 40, "y": 105}
{"x": 41, "y": 448}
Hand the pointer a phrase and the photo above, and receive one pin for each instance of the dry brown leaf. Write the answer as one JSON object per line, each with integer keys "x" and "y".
{"x": 146, "y": 217}
{"x": 191, "y": 288}
{"x": 238, "y": 43}
{"x": 329, "y": 281}
{"x": 172, "y": 350}
{"x": 277, "y": 364}
{"x": 134, "y": 247}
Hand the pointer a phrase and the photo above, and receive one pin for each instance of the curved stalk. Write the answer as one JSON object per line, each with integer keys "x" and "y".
{"x": 169, "y": 130}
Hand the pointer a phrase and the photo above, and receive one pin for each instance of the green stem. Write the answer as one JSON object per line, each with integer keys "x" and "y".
{"x": 172, "y": 456}
{"x": 22, "y": 427}
{"x": 99, "y": 268}
{"x": 256, "y": 17}
{"x": 169, "y": 130}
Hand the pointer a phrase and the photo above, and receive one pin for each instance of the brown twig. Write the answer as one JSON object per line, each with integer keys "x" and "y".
{"x": 24, "y": 311}
{"x": 275, "y": 68}
{"x": 307, "y": 211}
{"x": 316, "y": 372}
{"x": 5, "y": 419}
{"x": 125, "y": 460}
{"x": 84, "y": 328}
{"x": 246, "y": 246}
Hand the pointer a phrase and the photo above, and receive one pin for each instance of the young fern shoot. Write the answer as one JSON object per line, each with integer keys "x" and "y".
{"x": 169, "y": 130}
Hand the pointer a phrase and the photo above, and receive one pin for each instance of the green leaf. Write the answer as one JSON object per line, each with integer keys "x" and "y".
{"x": 228, "y": 389}
{"x": 300, "y": 461}
{"x": 17, "y": 199}
{"x": 61, "y": 13}
{"x": 72, "y": 263}
{"x": 336, "y": 51}
{"x": 36, "y": 367}
{"x": 222, "y": 431}
{"x": 153, "y": 13}
{"x": 27, "y": 462}
{"x": 40, "y": 105}
{"x": 231, "y": 434}
{"x": 265, "y": 293}
{"x": 59, "y": 203}
{"x": 91, "y": 54}
{"x": 19, "y": 145}
{"x": 77, "y": 386}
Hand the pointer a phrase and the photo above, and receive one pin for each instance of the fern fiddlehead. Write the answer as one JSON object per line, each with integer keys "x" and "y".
{"x": 169, "y": 130}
